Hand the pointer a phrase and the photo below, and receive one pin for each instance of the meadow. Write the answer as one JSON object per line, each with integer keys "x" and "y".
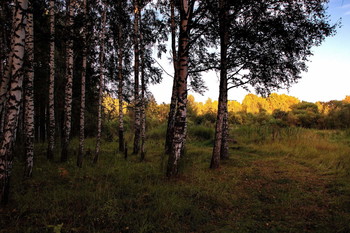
{"x": 276, "y": 180}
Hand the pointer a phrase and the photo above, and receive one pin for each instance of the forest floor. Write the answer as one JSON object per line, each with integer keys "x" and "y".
{"x": 253, "y": 191}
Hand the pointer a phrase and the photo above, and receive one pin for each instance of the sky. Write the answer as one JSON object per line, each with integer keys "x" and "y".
{"x": 328, "y": 76}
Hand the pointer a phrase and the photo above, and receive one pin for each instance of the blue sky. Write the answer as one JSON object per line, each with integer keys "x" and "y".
{"x": 328, "y": 76}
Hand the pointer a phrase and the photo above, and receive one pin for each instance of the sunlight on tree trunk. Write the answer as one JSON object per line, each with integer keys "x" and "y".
{"x": 181, "y": 114}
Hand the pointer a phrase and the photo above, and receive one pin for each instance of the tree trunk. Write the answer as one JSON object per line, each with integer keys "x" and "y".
{"x": 222, "y": 104}
{"x": 69, "y": 82}
{"x": 5, "y": 80}
{"x": 181, "y": 114}
{"x": 120, "y": 88}
{"x": 225, "y": 135}
{"x": 2, "y": 41}
{"x": 137, "y": 123}
{"x": 99, "y": 117}
{"x": 29, "y": 94}
{"x": 52, "y": 122}
{"x": 143, "y": 100}
{"x": 82, "y": 97}
{"x": 173, "y": 102}
{"x": 15, "y": 98}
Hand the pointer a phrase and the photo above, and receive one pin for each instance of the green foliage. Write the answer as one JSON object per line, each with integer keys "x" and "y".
{"x": 157, "y": 133}
{"x": 200, "y": 132}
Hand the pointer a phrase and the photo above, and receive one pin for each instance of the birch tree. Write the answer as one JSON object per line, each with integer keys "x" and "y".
{"x": 275, "y": 41}
{"x": 29, "y": 93}
{"x": 143, "y": 99}
{"x": 173, "y": 101}
{"x": 137, "y": 121}
{"x": 222, "y": 103}
{"x": 5, "y": 80}
{"x": 52, "y": 122}
{"x": 101, "y": 61}
{"x": 69, "y": 82}
{"x": 82, "y": 95}
{"x": 186, "y": 11}
{"x": 15, "y": 98}
{"x": 120, "y": 87}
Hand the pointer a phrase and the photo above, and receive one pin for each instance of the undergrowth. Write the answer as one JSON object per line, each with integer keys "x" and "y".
{"x": 293, "y": 180}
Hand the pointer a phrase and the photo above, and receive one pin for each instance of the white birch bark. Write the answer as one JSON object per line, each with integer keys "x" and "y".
{"x": 69, "y": 82}
{"x": 143, "y": 99}
{"x": 102, "y": 54}
{"x": 173, "y": 101}
{"x": 4, "y": 85}
{"x": 15, "y": 98}
{"x": 29, "y": 94}
{"x": 52, "y": 122}
{"x": 120, "y": 88}
{"x": 186, "y": 9}
{"x": 82, "y": 98}
{"x": 137, "y": 121}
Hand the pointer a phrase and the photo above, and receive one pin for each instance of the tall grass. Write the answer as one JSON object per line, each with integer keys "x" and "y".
{"x": 118, "y": 195}
{"x": 328, "y": 149}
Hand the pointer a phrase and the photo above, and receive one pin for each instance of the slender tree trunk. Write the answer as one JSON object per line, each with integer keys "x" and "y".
{"x": 29, "y": 94}
{"x": 137, "y": 123}
{"x": 120, "y": 88}
{"x": 2, "y": 41}
{"x": 143, "y": 117}
{"x": 69, "y": 82}
{"x": 180, "y": 119}
{"x": 82, "y": 98}
{"x": 99, "y": 117}
{"x": 225, "y": 135}
{"x": 5, "y": 80}
{"x": 222, "y": 104}
{"x": 52, "y": 122}
{"x": 143, "y": 99}
{"x": 173, "y": 101}
{"x": 15, "y": 98}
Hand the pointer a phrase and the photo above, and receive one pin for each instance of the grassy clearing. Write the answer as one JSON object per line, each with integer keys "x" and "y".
{"x": 285, "y": 183}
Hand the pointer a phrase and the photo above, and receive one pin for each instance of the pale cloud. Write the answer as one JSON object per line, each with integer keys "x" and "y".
{"x": 347, "y": 13}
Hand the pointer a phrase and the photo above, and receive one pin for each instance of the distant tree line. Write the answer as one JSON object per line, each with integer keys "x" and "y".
{"x": 59, "y": 58}
{"x": 278, "y": 110}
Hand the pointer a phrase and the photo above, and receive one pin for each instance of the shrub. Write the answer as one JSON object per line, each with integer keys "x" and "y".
{"x": 201, "y": 132}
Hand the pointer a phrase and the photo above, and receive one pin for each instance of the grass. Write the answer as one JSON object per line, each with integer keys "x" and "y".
{"x": 296, "y": 181}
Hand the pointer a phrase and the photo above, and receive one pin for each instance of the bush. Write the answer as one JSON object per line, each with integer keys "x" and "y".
{"x": 157, "y": 133}
{"x": 201, "y": 132}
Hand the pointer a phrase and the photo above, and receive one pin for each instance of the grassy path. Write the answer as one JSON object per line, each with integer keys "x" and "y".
{"x": 282, "y": 195}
